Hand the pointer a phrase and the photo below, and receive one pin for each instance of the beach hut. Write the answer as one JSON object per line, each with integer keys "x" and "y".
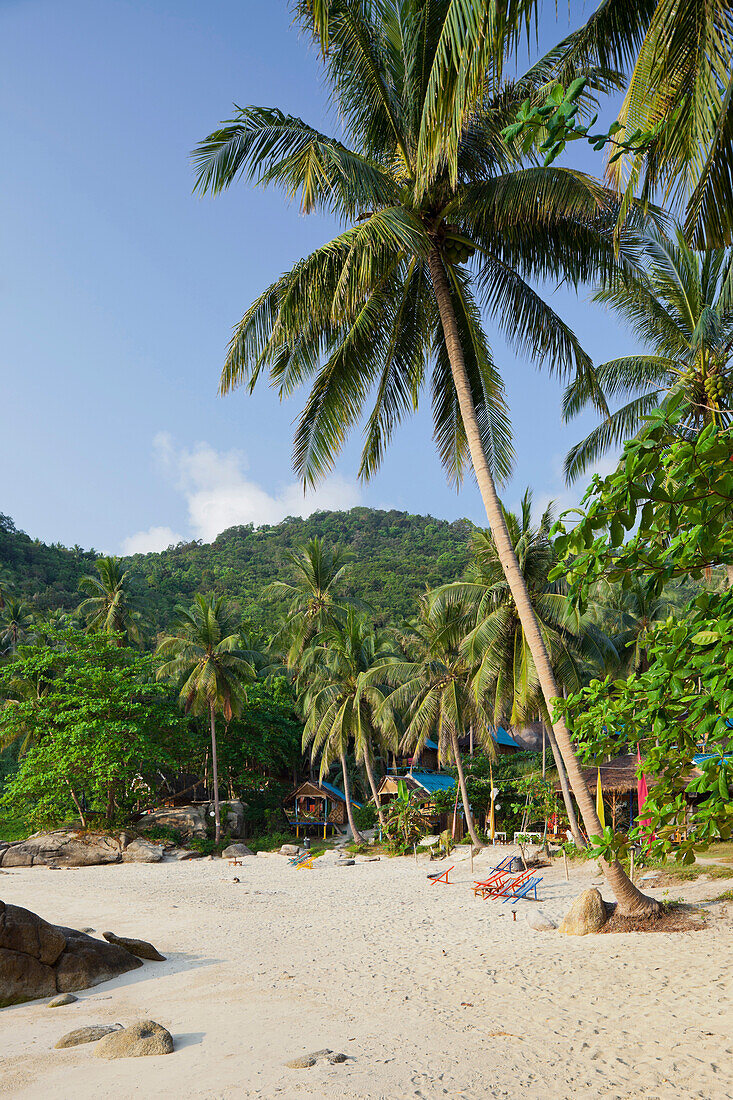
{"x": 316, "y": 807}
{"x": 426, "y": 784}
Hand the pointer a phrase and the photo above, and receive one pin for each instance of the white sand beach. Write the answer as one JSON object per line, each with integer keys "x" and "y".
{"x": 429, "y": 991}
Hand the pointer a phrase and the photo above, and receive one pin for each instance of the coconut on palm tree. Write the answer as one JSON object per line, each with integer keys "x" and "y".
{"x": 493, "y": 639}
{"x": 109, "y": 607}
{"x": 393, "y": 304}
{"x": 679, "y": 304}
{"x": 202, "y": 654}
{"x": 340, "y": 703}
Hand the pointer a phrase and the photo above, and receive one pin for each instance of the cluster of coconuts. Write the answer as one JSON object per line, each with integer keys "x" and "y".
{"x": 715, "y": 387}
{"x": 457, "y": 252}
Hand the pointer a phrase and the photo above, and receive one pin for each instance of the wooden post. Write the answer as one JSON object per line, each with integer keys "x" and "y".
{"x": 414, "y": 849}
{"x": 631, "y": 866}
{"x": 565, "y": 858}
{"x": 472, "y": 859}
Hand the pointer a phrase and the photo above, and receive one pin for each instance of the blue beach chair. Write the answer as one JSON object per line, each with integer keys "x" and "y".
{"x": 523, "y": 889}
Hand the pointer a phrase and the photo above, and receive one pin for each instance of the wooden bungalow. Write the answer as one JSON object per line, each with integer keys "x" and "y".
{"x": 425, "y": 784}
{"x": 316, "y": 807}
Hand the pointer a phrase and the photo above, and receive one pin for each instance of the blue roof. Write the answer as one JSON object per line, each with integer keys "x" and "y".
{"x": 703, "y": 757}
{"x": 339, "y": 794}
{"x": 431, "y": 745}
{"x": 503, "y": 738}
{"x": 432, "y": 781}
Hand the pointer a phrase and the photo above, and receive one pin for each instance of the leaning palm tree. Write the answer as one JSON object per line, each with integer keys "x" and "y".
{"x": 314, "y": 600}
{"x": 493, "y": 641}
{"x": 109, "y": 607}
{"x": 16, "y": 623}
{"x": 340, "y": 704}
{"x": 393, "y": 301}
{"x": 202, "y": 654}
{"x": 679, "y": 303}
{"x": 432, "y": 696}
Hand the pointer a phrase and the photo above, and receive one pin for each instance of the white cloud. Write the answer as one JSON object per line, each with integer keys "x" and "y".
{"x": 150, "y": 541}
{"x": 219, "y": 495}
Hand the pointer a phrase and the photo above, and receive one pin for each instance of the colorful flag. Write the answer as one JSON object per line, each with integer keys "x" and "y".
{"x": 642, "y": 795}
{"x": 599, "y": 802}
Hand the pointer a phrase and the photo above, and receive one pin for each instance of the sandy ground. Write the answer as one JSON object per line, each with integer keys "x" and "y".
{"x": 430, "y": 992}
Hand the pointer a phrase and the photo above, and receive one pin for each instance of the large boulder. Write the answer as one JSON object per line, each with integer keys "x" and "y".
{"x": 142, "y": 851}
{"x": 187, "y": 820}
{"x": 140, "y": 948}
{"x": 81, "y": 1035}
{"x": 233, "y": 818}
{"x": 138, "y": 1041}
{"x": 38, "y": 959}
{"x": 64, "y": 848}
{"x": 587, "y": 914}
{"x": 236, "y": 851}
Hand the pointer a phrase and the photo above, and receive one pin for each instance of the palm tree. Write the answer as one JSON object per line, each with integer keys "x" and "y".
{"x": 108, "y": 608}
{"x": 203, "y": 655}
{"x": 432, "y": 694}
{"x": 680, "y": 305}
{"x": 27, "y": 689}
{"x": 340, "y": 702}
{"x": 391, "y": 296}
{"x": 16, "y": 622}
{"x": 630, "y": 616}
{"x": 680, "y": 57}
{"x": 503, "y": 673}
{"x": 314, "y": 602}
{"x": 7, "y": 585}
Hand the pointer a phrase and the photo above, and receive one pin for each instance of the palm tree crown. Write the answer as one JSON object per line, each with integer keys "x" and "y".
{"x": 680, "y": 304}
{"x": 109, "y": 607}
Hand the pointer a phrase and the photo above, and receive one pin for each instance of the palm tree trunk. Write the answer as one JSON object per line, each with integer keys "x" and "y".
{"x": 577, "y": 836}
{"x": 358, "y": 838}
{"x": 373, "y": 786}
{"x": 630, "y": 900}
{"x": 215, "y": 774}
{"x": 464, "y": 790}
{"x": 729, "y": 575}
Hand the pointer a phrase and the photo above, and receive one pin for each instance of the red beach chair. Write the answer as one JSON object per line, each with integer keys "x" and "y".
{"x": 442, "y": 877}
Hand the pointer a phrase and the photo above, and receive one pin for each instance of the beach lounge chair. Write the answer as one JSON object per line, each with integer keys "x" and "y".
{"x": 442, "y": 877}
{"x": 522, "y": 890}
{"x": 302, "y": 857}
{"x": 501, "y": 869}
{"x": 506, "y": 885}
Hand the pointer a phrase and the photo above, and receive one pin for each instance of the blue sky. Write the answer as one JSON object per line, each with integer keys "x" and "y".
{"x": 119, "y": 288}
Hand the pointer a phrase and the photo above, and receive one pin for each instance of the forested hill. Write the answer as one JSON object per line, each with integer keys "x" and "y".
{"x": 396, "y": 556}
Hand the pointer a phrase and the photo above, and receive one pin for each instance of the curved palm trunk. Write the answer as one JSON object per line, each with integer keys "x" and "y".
{"x": 358, "y": 838}
{"x": 373, "y": 786}
{"x": 464, "y": 791}
{"x": 630, "y": 899}
{"x": 215, "y": 773}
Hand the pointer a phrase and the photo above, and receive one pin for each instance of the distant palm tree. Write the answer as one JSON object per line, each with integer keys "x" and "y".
{"x": 26, "y": 688}
{"x": 680, "y": 304}
{"x": 340, "y": 703}
{"x": 431, "y": 694}
{"x": 7, "y": 585}
{"x": 493, "y": 642}
{"x": 109, "y": 608}
{"x": 315, "y": 602}
{"x": 630, "y": 616}
{"x": 16, "y": 623}
{"x": 203, "y": 655}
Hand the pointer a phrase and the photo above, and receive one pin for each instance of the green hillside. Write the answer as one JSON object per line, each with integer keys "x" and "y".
{"x": 396, "y": 556}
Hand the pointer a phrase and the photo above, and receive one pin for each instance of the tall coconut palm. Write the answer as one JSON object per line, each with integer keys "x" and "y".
{"x": 494, "y": 643}
{"x": 679, "y": 303}
{"x": 314, "y": 599}
{"x": 432, "y": 695}
{"x": 629, "y": 616}
{"x": 109, "y": 607}
{"x": 16, "y": 623}
{"x": 340, "y": 704}
{"x": 202, "y": 654}
{"x": 392, "y": 298}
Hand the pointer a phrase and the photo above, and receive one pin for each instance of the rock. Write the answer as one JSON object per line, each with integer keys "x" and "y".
{"x": 308, "y": 1060}
{"x": 38, "y": 959}
{"x": 142, "y": 851}
{"x": 141, "y": 1040}
{"x": 234, "y": 818}
{"x": 187, "y": 820}
{"x": 180, "y": 854}
{"x": 537, "y": 920}
{"x": 65, "y": 848}
{"x": 586, "y": 914}
{"x": 346, "y": 863}
{"x": 91, "y": 1034}
{"x": 234, "y": 851}
{"x": 290, "y": 850}
{"x": 140, "y": 948}
{"x": 63, "y": 999}
{"x": 336, "y": 1058}
{"x": 86, "y": 962}
{"x": 302, "y": 1063}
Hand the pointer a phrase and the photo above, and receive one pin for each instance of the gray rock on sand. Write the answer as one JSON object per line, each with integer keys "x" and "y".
{"x": 61, "y": 1000}
{"x": 142, "y": 851}
{"x": 537, "y": 920}
{"x": 64, "y": 847}
{"x": 290, "y": 850}
{"x": 587, "y": 914}
{"x": 346, "y": 863}
{"x": 141, "y": 1040}
{"x": 306, "y": 1061}
{"x": 235, "y": 851}
{"x": 140, "y": 948}
{"x": 82, "y": 1035}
